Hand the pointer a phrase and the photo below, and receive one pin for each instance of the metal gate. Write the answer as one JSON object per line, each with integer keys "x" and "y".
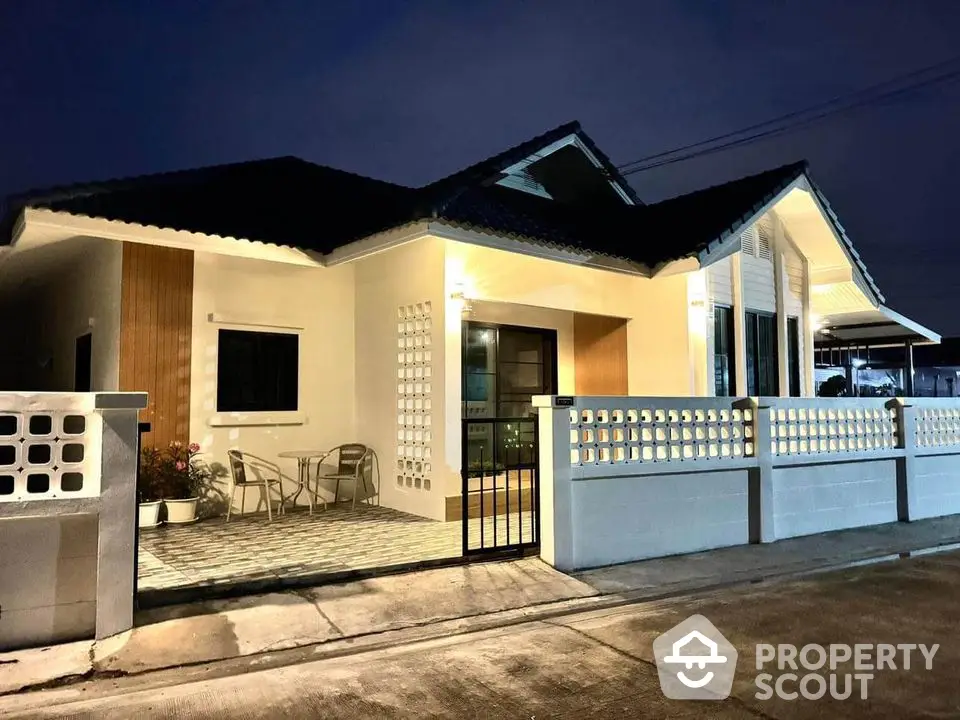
{"x": 500, "y": 485}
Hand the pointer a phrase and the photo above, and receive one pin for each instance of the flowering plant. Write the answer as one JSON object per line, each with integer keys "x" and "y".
{"x": 174, "y": 473}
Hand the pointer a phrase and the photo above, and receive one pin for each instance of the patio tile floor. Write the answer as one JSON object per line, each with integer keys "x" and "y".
{"x": 249, "y": 547}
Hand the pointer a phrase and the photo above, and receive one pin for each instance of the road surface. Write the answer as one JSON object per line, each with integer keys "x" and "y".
{"x": 600, "y": 664}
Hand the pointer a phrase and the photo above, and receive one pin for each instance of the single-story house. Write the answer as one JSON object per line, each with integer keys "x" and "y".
{"x": 279, "y": 305}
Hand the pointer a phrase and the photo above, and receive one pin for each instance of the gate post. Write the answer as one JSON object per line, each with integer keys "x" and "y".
{"x": 556, "y": 486}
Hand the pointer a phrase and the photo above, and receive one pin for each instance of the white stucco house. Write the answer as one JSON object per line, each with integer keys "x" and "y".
{"x": 277, "y": 304}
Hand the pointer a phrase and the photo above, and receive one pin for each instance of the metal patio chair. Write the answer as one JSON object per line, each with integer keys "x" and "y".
{"x": 352, "y": 461}
{"x": 242, "y": 466}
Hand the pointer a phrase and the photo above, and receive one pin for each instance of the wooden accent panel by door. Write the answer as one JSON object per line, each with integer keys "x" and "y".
{"x": 599, "y": 355}
{"x": 156, "y": 319}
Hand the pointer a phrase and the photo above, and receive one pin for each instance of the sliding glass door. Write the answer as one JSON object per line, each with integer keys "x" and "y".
{"x": 504, "y": 367}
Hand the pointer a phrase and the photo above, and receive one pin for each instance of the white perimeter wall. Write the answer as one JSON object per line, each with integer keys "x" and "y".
{"x": 935, "y": 486}
{"x": 810, "y": 499}
{"x": 267, "y": 296}
{"x": 48, "y": 579}
{"x": 624, "y": 518}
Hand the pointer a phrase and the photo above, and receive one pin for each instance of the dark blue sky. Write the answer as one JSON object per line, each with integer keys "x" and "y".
{"x": 409, "y": 91}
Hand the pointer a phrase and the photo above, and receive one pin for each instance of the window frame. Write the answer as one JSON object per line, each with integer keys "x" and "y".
{"x": 751, "y": 321}
{"x": 731, "y": 350}
{"x": 243, "y": 417}
{"x": 548, "y": 367}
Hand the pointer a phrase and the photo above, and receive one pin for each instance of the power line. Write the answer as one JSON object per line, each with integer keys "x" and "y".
{"x": 859, "y": 99}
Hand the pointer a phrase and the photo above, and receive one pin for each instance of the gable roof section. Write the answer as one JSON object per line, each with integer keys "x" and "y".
{"x": 487, "y": 172}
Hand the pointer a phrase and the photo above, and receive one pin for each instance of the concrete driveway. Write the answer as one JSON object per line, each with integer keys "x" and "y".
{"x": 600, "y": 664}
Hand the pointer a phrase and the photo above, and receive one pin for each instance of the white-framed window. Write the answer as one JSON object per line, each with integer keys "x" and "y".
{"x": 257, "y": 371}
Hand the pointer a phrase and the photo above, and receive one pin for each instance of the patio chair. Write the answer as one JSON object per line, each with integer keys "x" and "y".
{"x": 351, "y": 465}
{"x": 240, "y": 464}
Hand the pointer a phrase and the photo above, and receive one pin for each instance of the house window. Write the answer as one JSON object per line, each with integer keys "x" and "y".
{"x": 761, "y": 351}
{"x": 257, "y": 371}
{"x": 793, "y": 355}
{"x": 724, "y": 363}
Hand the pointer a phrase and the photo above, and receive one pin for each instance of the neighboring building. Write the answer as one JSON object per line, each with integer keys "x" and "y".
{"x": 277, "y": 304}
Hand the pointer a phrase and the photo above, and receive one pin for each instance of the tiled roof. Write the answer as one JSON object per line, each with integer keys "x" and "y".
{"x": 648, "y": 234}
{"x": 292, "y": 202}
{"x": 286, "y": 201}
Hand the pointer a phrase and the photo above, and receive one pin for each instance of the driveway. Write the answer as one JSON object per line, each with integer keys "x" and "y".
{"x": 600, "y": 664}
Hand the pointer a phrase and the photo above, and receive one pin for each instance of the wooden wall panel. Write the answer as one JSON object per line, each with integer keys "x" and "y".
{"x": 599, "y": 355}
{"x": 156, "y": 319}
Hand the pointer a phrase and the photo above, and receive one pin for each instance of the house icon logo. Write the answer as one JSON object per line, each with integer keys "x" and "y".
{"x": 695, "y": 661}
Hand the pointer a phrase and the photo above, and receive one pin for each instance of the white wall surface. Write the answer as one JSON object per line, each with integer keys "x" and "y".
{"x": 407, "y": 275}
{"x": 625, "y": 518}
{"x": 48, "y": 579}
{"x": 809, "y": 499}
{"x": 936, "y": 486}
{"x": 720, "y": 281}
{"x": 267, "y": 296}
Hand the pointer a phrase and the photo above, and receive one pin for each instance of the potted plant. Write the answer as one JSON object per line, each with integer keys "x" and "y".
{"x": 149, "y": 487}
{"x": 183, "y": 480}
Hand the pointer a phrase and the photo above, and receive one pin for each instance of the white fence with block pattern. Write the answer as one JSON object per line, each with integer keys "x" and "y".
{"x": 68, "y": 465}
{"x": 628, "y": 478}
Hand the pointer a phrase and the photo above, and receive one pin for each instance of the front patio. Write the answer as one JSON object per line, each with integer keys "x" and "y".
{"x": 340, "y": 540}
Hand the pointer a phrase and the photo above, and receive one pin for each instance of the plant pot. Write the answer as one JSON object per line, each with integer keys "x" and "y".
{"x": 181, "y": 511}
{"x": 149, "y": 514}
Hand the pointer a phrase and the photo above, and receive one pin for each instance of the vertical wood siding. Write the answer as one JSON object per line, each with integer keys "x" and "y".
{"x": 156, "y": 319}
{"x": 600, "y": 355}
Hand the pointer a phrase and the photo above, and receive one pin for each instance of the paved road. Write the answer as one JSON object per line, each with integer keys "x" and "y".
{"x": 600, "y": 665}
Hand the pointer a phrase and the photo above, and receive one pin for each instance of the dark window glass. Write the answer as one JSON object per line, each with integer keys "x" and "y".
{"x": 257, "y": 371}
{"x": 761, "y": 351}
{"x": 724, "y": 364}
{"x": 793, "y": 355}
{"x": 504, "y": 367}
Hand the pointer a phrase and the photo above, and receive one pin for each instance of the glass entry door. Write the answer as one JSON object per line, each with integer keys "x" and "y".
{"x": 504, "y": 367}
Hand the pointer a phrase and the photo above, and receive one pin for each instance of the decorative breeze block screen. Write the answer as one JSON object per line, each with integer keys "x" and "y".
{"x": 813, "y": 430}
{"x": 47, "y": 455}
{"x": 658, "y": 431}
{"x": 414, "y": 395}
{"x": 937, "y": 427}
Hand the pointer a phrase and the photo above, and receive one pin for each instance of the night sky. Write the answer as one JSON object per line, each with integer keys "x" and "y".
{"x": 410, "y": 91}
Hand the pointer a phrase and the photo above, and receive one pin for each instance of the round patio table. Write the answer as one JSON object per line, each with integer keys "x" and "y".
{"x": 303, "y": 458}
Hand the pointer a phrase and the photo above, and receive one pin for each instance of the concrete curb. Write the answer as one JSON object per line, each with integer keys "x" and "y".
{"x": 68, "y": 688}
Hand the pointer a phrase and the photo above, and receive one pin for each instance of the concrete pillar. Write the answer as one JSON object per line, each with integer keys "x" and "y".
{"x": 760, "y": 478}
{"x": 739, "y": 326}
{"x": 906, "y": 471}
{"x": 779, "y": 284}
{"x": 806, "y": 331}
{"x": 116, "y": 556}
{"x": 556, "y": 486}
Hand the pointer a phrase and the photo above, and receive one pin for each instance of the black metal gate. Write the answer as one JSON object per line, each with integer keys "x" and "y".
{"x": 500, "y": 485}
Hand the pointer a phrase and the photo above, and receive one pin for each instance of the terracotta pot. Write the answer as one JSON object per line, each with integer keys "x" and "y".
{"x": 149, "y": 514}
{"x": 181, "y": 511}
